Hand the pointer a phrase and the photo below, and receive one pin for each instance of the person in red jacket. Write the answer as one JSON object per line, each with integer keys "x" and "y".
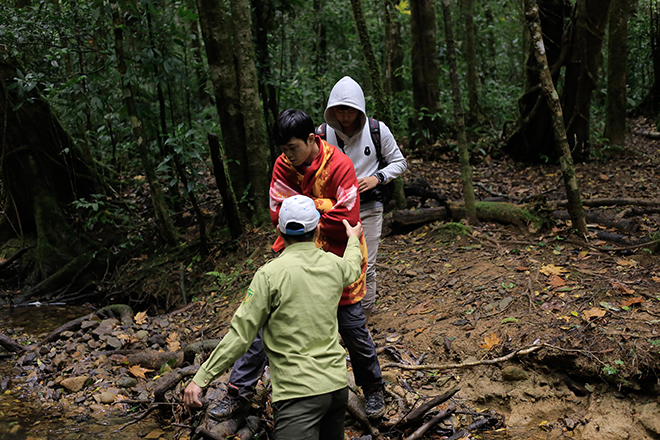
{"x": 310, "y": 166}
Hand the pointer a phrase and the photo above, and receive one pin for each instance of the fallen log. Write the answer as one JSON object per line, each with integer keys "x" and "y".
{"x": 614, "y": 201}
{"x": 434, "y": 421}
{"x": 623, "y": 225}
{"x": 169, "y": 381}
{"x": 419, "y": 412}
{"x": 10, "y": 345}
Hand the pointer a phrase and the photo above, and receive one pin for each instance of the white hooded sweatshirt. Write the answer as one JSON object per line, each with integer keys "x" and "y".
{"x": 360, "y": 147}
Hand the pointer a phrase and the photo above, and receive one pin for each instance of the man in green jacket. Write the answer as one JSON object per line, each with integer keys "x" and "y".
{"x": 294, "y": 299}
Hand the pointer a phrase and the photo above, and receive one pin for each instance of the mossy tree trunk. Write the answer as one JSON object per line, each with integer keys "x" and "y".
{"x": 617, "y": 60}
{"x": 42, "y": 172}
{"x": 575, "y": 208}
{"x": 471, "y": 61}
{"x": 459, "y": 119}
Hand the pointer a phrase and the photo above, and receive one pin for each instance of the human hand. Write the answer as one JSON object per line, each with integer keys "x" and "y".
{"x": 191, "y": 396}
{"x": 352, "y": 231}
{"x": 367, "y": 183}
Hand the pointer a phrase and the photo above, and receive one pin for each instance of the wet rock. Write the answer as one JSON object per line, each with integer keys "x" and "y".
{"x": 112, "y": 342}
{"x": 89, "y": 324}
{"x": 512, "y": 373}
{"x": 649, "y": 416}
{"x": 391, "y": 376}
{"x": 74, "y": 384}
{"x": 127, "y": 382}
{"x": 142, "y": 335}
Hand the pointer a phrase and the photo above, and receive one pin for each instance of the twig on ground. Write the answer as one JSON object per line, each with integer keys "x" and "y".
{"x": 521, "y": 351}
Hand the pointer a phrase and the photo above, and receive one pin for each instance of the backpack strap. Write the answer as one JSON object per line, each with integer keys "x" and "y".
{"x": 374, "y": 128}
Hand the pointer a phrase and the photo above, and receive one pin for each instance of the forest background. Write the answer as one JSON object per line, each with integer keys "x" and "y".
{"x": 137, "y": 131}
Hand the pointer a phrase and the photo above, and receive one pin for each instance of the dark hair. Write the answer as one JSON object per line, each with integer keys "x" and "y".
{"x": 307, "y": 236}
{"x": 292, "y": 123}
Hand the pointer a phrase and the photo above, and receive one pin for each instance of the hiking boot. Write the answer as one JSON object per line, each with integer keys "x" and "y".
{"x": 374, "y": 404}
{"x": 228, "y": 407}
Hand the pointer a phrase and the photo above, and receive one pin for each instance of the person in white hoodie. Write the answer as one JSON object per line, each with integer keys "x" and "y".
{"x": 348, "y": 128}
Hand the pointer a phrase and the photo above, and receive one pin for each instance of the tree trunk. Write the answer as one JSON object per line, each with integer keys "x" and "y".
{"x": 230, "y": 206}
{"x": 394, "y": 81}
{"x": 489, "y": 64}
{"x": 586, "y": 41}
{"x": 169, "y": 233}
{"x": 253, "y": 121}
{"x": 575, "y": 208}
{"x": 426, "y": 126}
{"x": 41, "y": 172}
{"x": 533, "y": 139}
{"x": 617, "y": 60}
{"x": 471, "y": 60}
{"x": 463, "y": 155}
{"x": 216, "y": 31}
{"x": 654, "y": 8}
{"x": 383, "y": 111}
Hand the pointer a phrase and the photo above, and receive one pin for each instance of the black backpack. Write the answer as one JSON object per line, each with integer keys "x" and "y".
{"x": 382, "y": 193}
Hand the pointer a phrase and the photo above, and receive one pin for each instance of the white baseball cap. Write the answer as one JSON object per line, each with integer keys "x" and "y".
{"x": 298, "y": 209}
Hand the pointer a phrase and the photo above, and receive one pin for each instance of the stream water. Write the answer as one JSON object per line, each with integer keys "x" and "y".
{"x": 21, "y": 417}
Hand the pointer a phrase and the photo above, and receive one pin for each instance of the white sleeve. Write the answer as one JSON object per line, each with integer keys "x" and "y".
{"x": 396, "y": 163}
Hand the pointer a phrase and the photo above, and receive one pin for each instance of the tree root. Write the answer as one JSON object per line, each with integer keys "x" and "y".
{"x": 434, "y": 421}
{"x": 11, "y": 345}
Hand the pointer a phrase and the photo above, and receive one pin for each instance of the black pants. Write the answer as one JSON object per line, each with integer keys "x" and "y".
{"x": 353, "y": 330}
{"x": 311, "y": 418}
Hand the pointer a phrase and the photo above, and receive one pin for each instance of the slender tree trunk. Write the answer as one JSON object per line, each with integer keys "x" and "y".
{"x": 615, "y": 120}
{"x": 585, "y": 59}
{"x": 216, "y": 30}
{"x": 489, "y": 67}
{"x": 427, "y": 125}
{"x": 463, "y": 154}
{"x": 229, "y": 204}
{"x": 394, "y": 80}
{"x": 383, "y": 111}
{"x": 169, "y": 233}
{"x": 533, "y": 139}
{"x": 471, "y": 60}
{"x": 575, "y": 208}
{"x": 654, "y": 8}
{"x": 263, "y": 25}
{"x": 253, "y": 122}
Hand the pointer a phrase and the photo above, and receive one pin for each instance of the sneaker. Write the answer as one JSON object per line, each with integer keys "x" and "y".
{"x": 228, "y": 407}
{"x": 374, "y": 404}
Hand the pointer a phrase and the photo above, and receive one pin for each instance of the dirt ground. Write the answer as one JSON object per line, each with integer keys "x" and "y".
{"x": 457, "y": 300}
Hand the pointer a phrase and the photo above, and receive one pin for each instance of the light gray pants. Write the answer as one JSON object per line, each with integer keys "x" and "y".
{"x": 372, "y": 222}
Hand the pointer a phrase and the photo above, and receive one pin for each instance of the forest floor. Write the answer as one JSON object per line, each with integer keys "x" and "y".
{"x": 453, "y": 299}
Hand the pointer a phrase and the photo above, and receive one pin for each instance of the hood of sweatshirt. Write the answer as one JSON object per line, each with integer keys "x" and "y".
{"x": 346, "y": 92}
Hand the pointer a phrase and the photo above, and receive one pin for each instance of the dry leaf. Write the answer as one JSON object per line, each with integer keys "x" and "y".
{"x": 490, "y": 342}
{"x": 420, "y": 309}
{"x": 556, "y": 281}
{"x": 625, "y": 262}
{"x": 583, "y": 255}
{"x": 138, "y": 371}
{"x": 621, "y": 288}
{"x": 631, "y": 301}
{"x": 173, "y": 342}
{"x": 141, "y": 318}
{"x": 595, "y": 312}
{"x": 551, "y": 269}
{"x": 655, "y": 279}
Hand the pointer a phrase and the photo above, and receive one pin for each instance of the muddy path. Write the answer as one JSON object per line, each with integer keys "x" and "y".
{"x": 449, "y": 296}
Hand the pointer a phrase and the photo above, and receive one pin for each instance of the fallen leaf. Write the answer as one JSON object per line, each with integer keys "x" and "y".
{"x": 141, "y": 318}
{"x": 551, "y": 269}
{"x": 420, "y": 309}
{"x": 556, "y": 281}
{"x": 655, "y": 279}
{"x": 621, "y": 288}
{"x": 173, "y": 342}
{"x": 625, "y": 262}
{"x": 631, "y": 301}
{"x": 490, "y": 342}
{"x": 595, "y": 312}
{"x": 582, "y": 255}
{"x": 119, "y": 359}
{"x": 138, "y": 371}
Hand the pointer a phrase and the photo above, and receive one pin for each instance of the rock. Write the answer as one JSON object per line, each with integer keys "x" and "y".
{"x": 74, "y": 384}
{"x": 89, "y": 324}
{"x": 126, "y": 382}
{"x": 513, "y": 373}
{"x": 505, "y": 302}
{"x": 107, "y": 397}
{"x": 61, "y": 360}
{"x": 391, "y": 376}
{"x": 112, "y": 342}
{"x": 649, "y": 416}
{"x": 105, "y": 327}
{"x": 142, "y": 335}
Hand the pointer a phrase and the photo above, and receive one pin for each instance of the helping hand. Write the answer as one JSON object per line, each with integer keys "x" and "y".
{"x": 367, "y": 183}
{"x": 191, "y": 396}
{"x": 353, "y": 231}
